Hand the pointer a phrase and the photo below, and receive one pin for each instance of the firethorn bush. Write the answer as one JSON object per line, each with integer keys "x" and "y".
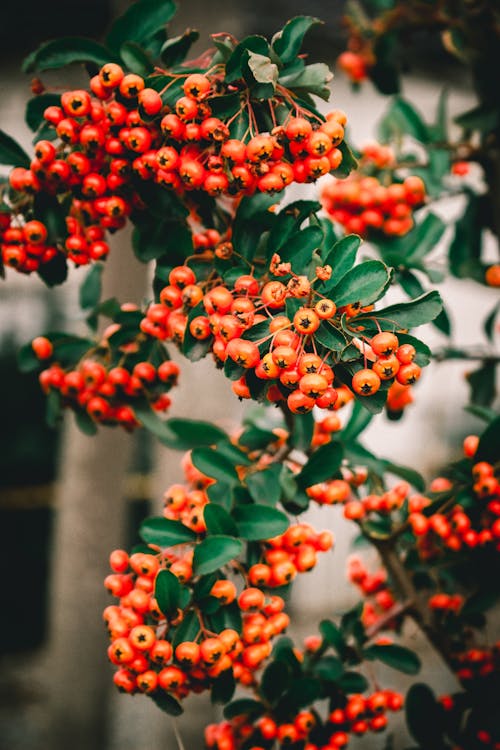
{"x": 197, "y": 156}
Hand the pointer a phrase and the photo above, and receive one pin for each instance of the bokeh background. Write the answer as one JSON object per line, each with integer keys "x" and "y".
{"x": 66, "y": 500}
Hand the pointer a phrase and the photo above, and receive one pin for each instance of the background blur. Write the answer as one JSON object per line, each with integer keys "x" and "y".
{"x": 66, "y": 500}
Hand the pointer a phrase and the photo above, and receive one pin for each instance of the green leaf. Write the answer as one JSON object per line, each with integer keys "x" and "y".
{"x": 90, "y": 290}
{"x": 167, "y": 592}
{"x": 405, "y": 472}
{"x": 364, "y": 283}
{"x": 322, "y": 465}
{"x": 489, "y": 323}
{"x": 407, "y": 315}
{"x": 223, "y": 687}
{"x": 214, "y": 552}
{"x": 264, "y": 486}
{"x": 329, "y": 668}
{"x": 424, "y": 238}
{"x": 239, "y": 56}
{"x": 484, "y": 118}
{"x": 482, "y": 382}
{"x": 37, "y": 106}
{"x": 262, "y": 69}
{"x": 27, "y": 361}
{"x": 255, "y": 438}
{"x": 174, "y": 50}
{"x": 140, "y": 22}
{"x": 402, "y": 117}
{"x": 85, "y": 423}
{"x": 300, "y": 247}
{"x": 341, "y": 258}
{"x": 218, "y": 520}
{"x": 302, "y": 692}
{"x": 288, "y": 221}
{"x": 329, "y": 336}
{"x": 167, "y": 703}
{"x": 352, "y": 682}
{"x": 489, "y": 443}
{"x": 57, "y": 53}
{"x": 136, "y": 59}
{"x": 332, "y": 636}
{"x": 395, "y": 656}
{"x": 188, "y": 629}
{"x": 384, "y": 74}
{"x": 211, "y": 463}
{"x": 287, "y": 43}
{"x": 275, "y": 680}
{"x": 256, "y": 522}
{"x": 312, "y": 79}
{"x": 303, "y": 427}
{"x": 11, "y": 152}
{"x": 164, "y": 532}
{"x": 465, "y": 248}
{"x": 348, "y": 163}
{"x": 358, "y": 421}
{"x": 155, "y": 239}
{"x": 185, "y": 434}
{"x": 244, "y": 707}
{"x": 252, "y": 219}
{"x": 424, "y": 716}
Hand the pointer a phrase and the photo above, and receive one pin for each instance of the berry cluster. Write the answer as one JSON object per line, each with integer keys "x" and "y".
{"x": 252, "y": 328}
{"x": 370, "y": 201}
{"x": 378, "y": 598}
{"x": 107, "y": 380}
{"x": 358, "y": 715}
{"x": 177, "y": 653}
{"x": 123, "y": 133}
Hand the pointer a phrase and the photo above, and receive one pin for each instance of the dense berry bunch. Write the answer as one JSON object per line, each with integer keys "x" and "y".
{"x": 371, "y": 201}
{"x": 356, "y": 714}
{"x": 108, "y": 142}
{"x": 274, "y": 331}
{"x": 110, "y": 376}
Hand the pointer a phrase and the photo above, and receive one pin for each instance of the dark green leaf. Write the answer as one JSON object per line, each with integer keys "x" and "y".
{"x": 11, "y": 152}
{"x": 329, "y": 336}
{"x": 489, "y": 323}
{"x": 395, "y": 656}
{"x": 341, "y": 258}
{"x": 484, "y": 118}
{"x": 167, "y": 703}
{"x": 53, "y": 408}
{"x": 489, "y": 443}
{"x": 164, "y": 532}
{"x": 192, "y": 433}
{"x": 57, "y": 53}
{"x": 85, "y": 423}
{"x": 425, "y": 237}
{"x": 482, "y": 382}
{"x": 384, "y": 74}
{"x": 211, "y": 463}
{"x": 255, "y": 438}
{"x": 218, "y": 520}
{"x": 465, "y": 248}
{"x": 37, "y": 106}
{"x": 264, "y": 486}
{"x": 237, "y": 60}
{"x": 154, "y": 240}
{"x": 407, "y": 315}
{"x": 364, "y": 283}
{"x": 402, "y": 117}
{"x": 329, "y": 668}
{"x": 358, "y": 421}
{"x": 302, "y": 692}
{"x": 348, "y": 163}
{"x": 423, "y": 716}
{"x": 167, "y": 592}
{"x": 252, "y": 219}
{"x": 223, "y": 687}
{"x": 352, "y": 682}
{"x": 136, "y": 59}
{"x": 257, "y": 522}
{"x": 332, "y": 636}
{"x": 274, "y": 681}
{"x": 303, "y": 426}
{"x": 27, "y": 361}
{"x": 174, "y": 50}
{"x": 244, "y": 707}
{"x": 406, "y": 473}
{"x": 140, "y": 22}
{"x": 312, "y": 79}
{"x": 287, "y": 43}
{"x": 188, "y": 630}
{"x": 322, "y": 465}
{"x": 214, "y": 552}
{"x": 90, "y": 290}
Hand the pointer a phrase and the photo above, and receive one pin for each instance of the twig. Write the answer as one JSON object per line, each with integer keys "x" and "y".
{"x": 177, "y": 734}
